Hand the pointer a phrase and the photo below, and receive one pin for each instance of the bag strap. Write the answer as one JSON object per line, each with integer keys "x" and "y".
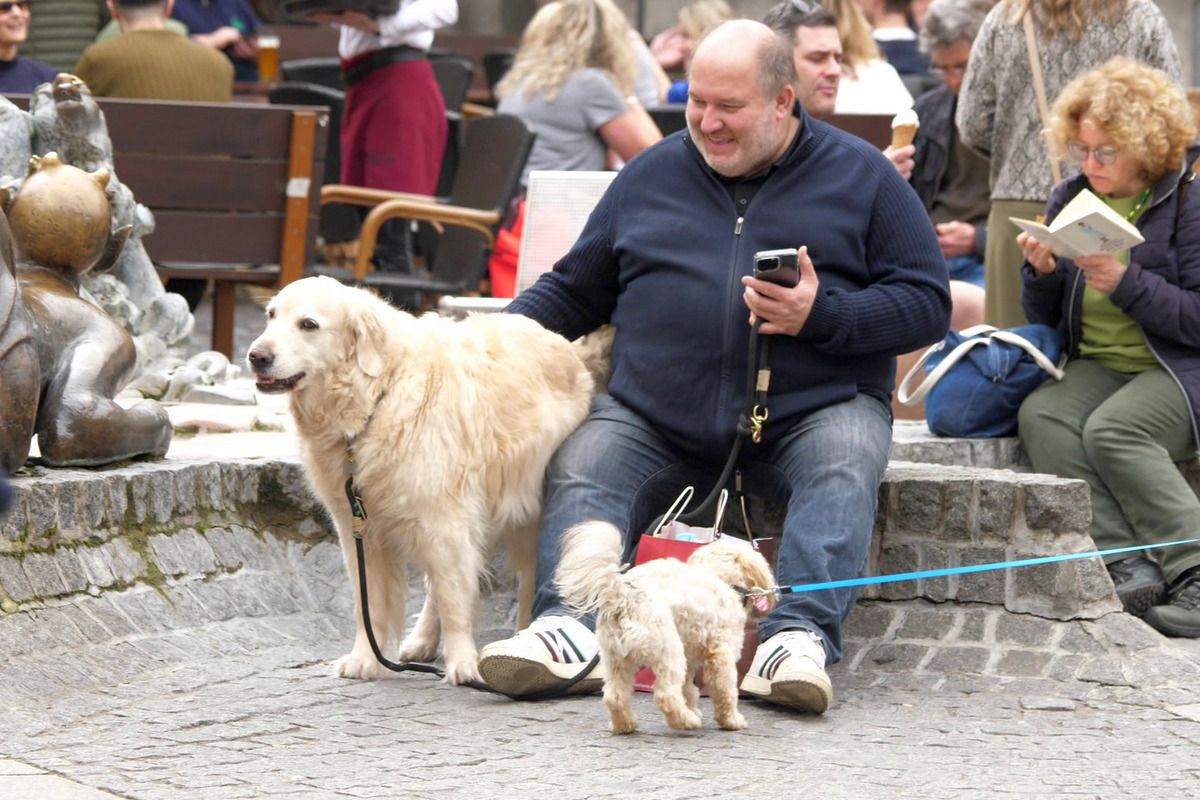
{"x": 1184, "y": 184}
{"x": 1039, "y": 87}
{"x": 979, "y": 334}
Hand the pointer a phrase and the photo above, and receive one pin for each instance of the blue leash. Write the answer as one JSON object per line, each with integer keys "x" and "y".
{"x": 941, "y": 573}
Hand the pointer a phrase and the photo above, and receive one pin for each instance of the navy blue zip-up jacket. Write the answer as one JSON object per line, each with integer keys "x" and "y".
{"x": 663, "y": 254}
{"x": 1160, "y": 288}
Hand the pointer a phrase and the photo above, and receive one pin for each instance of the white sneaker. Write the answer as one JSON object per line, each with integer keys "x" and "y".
{"x": 551, "y": 651}
{"x": 789, "y": 669}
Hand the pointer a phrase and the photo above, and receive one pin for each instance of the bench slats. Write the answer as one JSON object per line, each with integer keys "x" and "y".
{"x": 201, "y": 129}
{"x": 165, "y": 182}
{"x": 215, "y": 238}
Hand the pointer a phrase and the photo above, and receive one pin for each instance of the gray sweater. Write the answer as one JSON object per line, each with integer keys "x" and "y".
{"x": 997, "y": 108}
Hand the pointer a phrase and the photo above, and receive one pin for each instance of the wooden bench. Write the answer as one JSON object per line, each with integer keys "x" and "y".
{"x": 234, "y": 189}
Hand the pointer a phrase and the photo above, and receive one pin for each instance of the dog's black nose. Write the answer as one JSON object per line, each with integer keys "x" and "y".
{"x": 260, "y": 359}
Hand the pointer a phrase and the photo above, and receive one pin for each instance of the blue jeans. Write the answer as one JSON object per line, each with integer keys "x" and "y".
{"x": 828, "y": 468}
{"x": 966, "y": 268}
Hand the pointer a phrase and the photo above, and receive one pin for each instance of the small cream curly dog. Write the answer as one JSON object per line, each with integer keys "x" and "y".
{"x": 671, "y": 616}
{"x": 451, "y": 425}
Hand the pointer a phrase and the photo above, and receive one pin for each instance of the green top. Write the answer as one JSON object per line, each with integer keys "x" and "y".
{"x": 1110, "y": 335}
{"x": 156, "y": 65}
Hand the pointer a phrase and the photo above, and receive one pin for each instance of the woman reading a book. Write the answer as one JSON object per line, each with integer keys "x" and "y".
{"x": 1127, "y": 409}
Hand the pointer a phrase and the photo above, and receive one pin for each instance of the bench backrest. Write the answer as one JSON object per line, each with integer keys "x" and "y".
{"x": 235, "y": 183}
{"x": 229, "y": 184}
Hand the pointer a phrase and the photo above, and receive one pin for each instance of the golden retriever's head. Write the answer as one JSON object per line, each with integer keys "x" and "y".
{"x": 318, "y": 331}
{"x": 738, "y": 565}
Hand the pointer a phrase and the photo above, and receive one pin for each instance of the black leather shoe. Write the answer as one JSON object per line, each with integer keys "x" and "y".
{"x": 1181, "y": 615}
{"x": 1139, "y": 584}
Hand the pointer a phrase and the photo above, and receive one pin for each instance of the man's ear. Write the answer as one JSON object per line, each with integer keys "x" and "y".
{"x": 784, "y": 101}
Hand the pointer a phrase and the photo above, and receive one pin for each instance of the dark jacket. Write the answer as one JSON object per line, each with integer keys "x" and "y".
{"x": 663, "y": 254}
{"x": 1160, "y": 290}
{"x": 935, "y": 137}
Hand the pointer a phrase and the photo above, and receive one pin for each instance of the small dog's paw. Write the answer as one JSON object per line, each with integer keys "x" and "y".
{"x": 684, "y": 720}
{"x": 734, "y": 722}
{"x": 621, "y": 724}
{"x": 463, "y": 672}
{"x": 354, "y": 665}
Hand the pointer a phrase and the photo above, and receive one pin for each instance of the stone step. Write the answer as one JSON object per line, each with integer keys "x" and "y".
{"x": 169, "y": 523}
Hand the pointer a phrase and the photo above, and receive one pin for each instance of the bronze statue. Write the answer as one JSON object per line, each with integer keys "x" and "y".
{"x": 60, "y": 228}
{"x": 20, "y": 372}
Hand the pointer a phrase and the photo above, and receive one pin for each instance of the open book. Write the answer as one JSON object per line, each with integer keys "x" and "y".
{"x": 1085, "y": 227}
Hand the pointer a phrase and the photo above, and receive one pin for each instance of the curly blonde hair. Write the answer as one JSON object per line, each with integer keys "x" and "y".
{"x": 858, "y": 45}
{"x": 1141, "y": 109}
{"x": 1053, "y": 17}
{"x": 566, "y": 36}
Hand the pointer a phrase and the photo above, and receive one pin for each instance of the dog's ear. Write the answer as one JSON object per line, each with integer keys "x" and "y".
{"x": 367, "y": 340}
{"x": 756, "y": 574}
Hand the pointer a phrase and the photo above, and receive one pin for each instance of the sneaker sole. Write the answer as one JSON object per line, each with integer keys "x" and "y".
{"x": 1140, "y": 600}
{"x": 517, "y": 677}
{"x": 810, "y": 694}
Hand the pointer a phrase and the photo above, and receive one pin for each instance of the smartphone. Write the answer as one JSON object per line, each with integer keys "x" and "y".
{"x": 777, "y": 266}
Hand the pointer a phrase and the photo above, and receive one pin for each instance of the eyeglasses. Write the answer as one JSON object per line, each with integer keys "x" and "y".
{"x": 7, "y": 7}
{"x": 1105, "y": 154}
{"x": 804, "y": 7}
{"x": 953, "y": 69}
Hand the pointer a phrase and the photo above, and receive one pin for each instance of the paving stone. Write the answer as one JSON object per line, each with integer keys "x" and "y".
{"x": 870, "y": 620}
{"x": 13, "y": 579}
{"x": 126, "y": 565}
{"x": 958, "y": 660}
{"x": 896, "y": 656}
{"x": 982, "y": 587}
{"x": 43, "y": 574}
{"x": 1023, "y": 663}
{"x": 1025, "y": 630}
{"x": 74, "y": 578}
{"x": 996, "y": 507}
{"x": 95, "y": 567}
{"x": 976, "y": 624}
{"x": 926, "y": 624}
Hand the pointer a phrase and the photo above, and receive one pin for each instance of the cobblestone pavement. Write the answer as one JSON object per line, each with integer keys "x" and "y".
{"x": 247, "y": 708}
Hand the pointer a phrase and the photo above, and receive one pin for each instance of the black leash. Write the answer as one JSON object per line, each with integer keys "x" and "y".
{"x": 750, "y": 426}
{"x": 358, "y": 512}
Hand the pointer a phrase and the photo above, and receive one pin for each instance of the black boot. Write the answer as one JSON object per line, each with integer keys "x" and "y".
{"x": 1139, "y": 584}
{"x": 1181, "y": 615}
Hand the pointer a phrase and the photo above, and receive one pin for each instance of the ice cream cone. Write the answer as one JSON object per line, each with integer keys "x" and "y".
{"x": 904, "y": 135}
{"x": 904, "y": 128}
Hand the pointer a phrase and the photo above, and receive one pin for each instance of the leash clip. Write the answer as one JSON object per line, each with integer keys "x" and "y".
{"x": 358, "y": 512}
{"x": 757, "y": 417}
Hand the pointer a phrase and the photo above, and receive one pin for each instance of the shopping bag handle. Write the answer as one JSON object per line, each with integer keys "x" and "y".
{"x": 977, "y": 334}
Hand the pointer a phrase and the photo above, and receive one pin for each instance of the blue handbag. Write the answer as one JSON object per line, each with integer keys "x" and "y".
{"x": 977, "y": 378}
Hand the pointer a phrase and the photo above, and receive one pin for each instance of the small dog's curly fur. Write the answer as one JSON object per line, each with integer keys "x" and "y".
{"x": 671, "y": 616}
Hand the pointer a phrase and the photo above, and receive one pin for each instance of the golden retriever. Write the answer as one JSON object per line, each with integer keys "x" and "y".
{"x": 450, "y": 424}
{"x": 671, "y": 616}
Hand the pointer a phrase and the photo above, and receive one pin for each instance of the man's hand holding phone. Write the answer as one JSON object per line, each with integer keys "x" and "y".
{"x": 782, "y": 290}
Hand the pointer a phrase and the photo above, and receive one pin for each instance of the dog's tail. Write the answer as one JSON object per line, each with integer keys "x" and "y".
{"x": 589, "y": 573}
